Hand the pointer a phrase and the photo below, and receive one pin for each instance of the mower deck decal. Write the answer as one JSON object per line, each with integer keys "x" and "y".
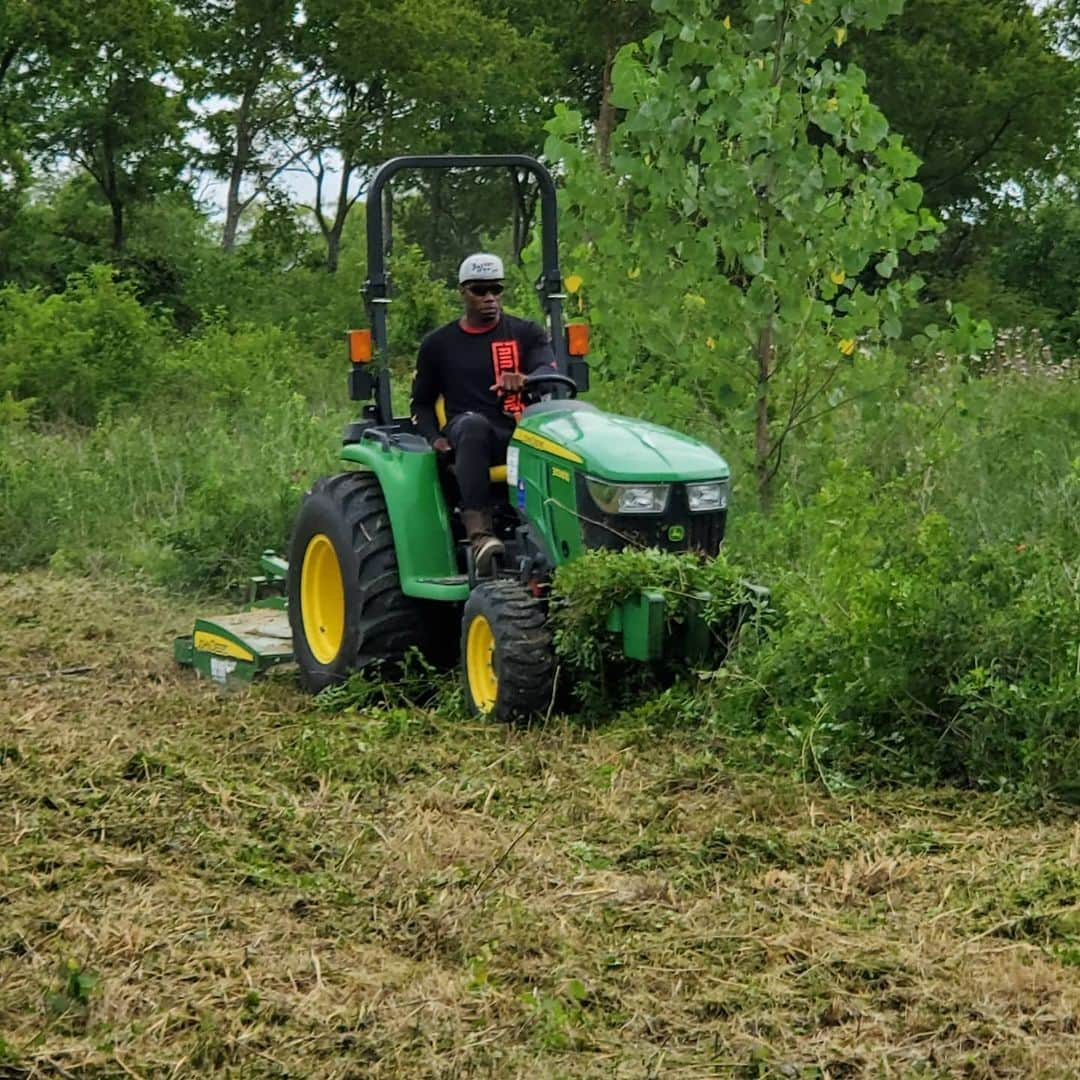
{"x": 214, "y": 643}
{"x": 538, "y": 442}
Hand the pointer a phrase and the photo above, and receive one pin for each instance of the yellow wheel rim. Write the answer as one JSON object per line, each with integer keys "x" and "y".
{"x": 322, "y": 599}
{"x": 480, "y": 664}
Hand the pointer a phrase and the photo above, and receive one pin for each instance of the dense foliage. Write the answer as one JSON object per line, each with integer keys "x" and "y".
{"x": 288, "y": 107}
{"x": 765, "y": 261}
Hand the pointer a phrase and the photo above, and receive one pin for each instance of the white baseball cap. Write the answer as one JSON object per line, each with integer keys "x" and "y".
{"x": 481, "y": 267}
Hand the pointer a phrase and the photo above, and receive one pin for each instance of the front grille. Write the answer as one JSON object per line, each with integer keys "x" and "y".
{"x": 701, "y": 532}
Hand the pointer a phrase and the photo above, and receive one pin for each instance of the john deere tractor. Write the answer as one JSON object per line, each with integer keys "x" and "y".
{"x": 378, "y": 562}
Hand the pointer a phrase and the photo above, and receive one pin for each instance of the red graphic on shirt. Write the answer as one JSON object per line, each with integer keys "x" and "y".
{"x": 504, "y": 357}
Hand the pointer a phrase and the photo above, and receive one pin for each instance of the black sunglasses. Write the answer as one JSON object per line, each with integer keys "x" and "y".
{"x": 483, "y": 289}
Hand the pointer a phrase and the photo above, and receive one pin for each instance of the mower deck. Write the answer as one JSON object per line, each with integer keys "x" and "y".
{"x": 226, "y": 648}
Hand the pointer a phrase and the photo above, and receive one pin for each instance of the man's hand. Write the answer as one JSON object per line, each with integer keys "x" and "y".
{"x": 441, "y": 445}
{"x": 509, "y": 382}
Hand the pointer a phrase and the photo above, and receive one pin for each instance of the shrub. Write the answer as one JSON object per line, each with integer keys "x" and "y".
{"x": 79, "y": 353}
{"x": 233, "y": 365}
{"x": 908, "y": 652}
{"x": 420, "y": 303}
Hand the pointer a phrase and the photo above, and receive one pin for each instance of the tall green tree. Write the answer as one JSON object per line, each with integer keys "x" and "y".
{"x": 18, "y": 58}
{"x": 980, "y": 90}
{"x": 408, "y": 76}
{"x": 758, "y": 207}
{"x": 586, "y": 35}
{"x": 108, "y": 100}
{"x": 241, "y": 68}
{"x": 987, "y": 93}
{"x": 1035, "y": 258}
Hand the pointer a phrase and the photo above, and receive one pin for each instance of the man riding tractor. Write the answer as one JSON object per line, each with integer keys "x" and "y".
{"x": 375, "y": 567}
{"x": 473, "y": 370}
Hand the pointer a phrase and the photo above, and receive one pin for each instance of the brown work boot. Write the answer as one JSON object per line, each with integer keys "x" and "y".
{"x": 485, "y": 545}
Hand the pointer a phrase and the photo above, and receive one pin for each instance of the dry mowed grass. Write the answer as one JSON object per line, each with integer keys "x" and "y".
{"x": 193, "y": 883}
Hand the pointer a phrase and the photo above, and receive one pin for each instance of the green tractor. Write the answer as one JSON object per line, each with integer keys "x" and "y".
{"x": 378, "y": 562}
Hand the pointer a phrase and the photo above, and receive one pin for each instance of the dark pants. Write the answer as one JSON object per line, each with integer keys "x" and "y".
{"x": 478, "y": 443}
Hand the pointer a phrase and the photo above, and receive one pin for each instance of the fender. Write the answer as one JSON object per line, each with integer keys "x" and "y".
{"x": 419, "y": 518}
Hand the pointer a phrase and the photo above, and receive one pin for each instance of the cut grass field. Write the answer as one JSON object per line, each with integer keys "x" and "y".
{"x": 246, "y": 884}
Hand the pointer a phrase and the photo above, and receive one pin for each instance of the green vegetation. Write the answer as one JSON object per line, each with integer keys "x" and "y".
{"x": 926, "y": 595}
{"x": 910, "y": 499}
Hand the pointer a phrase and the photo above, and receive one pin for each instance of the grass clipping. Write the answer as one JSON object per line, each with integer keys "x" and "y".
{"x": 195, "y": 883}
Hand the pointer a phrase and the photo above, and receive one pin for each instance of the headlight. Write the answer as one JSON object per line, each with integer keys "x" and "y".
{"x": 628, "y": 498}
{"x": 708, "y": 496}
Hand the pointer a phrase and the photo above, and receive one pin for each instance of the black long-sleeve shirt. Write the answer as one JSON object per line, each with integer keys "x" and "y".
{"x": 462, "y": 364}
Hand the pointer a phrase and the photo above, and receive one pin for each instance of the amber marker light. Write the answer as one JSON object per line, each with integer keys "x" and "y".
{"x": 359, "y": 346}
{"x": 577, "y": 339}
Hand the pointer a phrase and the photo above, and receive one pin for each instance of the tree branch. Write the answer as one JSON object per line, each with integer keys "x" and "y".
{"x": 975, "y": 158}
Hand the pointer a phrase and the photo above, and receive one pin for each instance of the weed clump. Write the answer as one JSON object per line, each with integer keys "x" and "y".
{"x": 586, "y": 591}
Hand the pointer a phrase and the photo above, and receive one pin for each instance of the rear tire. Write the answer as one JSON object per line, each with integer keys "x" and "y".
{"x": 346, "y": 607}
{"x": 507, "y": 655}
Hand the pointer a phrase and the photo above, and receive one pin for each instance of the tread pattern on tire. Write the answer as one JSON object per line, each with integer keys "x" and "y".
{"x": 388, "y": 622}
{"x": 524, "y": 652}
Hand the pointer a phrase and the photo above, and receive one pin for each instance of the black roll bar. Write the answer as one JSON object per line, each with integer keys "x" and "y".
{"x": 377, "y": 286}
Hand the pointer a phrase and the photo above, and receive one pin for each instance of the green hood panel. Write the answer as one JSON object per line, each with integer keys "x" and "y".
{"x": 622, "y": 449}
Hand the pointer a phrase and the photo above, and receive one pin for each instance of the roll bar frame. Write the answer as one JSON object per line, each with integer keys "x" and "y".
{"x": 376, "y": 288}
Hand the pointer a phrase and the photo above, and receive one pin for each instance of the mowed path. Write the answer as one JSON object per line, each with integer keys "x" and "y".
{"x": 250, "y": 885}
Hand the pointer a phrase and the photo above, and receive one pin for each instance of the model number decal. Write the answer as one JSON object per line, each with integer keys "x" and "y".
{"x": 213, "y": 643}
{"x": 538, "y": 442}
{"x": 560, "y": 474}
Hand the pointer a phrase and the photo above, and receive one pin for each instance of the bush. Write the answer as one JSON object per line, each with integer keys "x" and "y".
{"x": 79, "y": 353}
{"x": 223, "y": 365}
{"x": 908, "y": 652}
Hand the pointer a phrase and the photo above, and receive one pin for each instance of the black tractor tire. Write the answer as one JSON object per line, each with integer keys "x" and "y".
{"x": 350, "y": 612}
{"x": 507, "y": 655}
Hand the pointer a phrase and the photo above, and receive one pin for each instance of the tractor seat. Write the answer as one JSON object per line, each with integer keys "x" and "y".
{"x": 497, "y": 473}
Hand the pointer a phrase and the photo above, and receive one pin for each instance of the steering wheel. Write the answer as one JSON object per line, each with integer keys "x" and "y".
{"x": 556, "y": 378}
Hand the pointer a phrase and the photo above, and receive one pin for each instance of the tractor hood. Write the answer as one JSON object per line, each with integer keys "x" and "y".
{"x": 619, "y": 448}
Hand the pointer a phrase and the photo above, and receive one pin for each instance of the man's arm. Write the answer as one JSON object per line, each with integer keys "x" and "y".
{"x": 425, "y": 391}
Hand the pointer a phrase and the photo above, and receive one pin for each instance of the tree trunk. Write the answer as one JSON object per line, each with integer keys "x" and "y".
{"x": 111, "y": 187}
{"x": 762, "y": 442}
{"x": 118, "y": 238}
{"x": 333, "y": 249}
{"x": 116, "y": 204}
{"x": 232, "y": 210}
{"x": 524, "y": 207}
{"x": 341, "y": 212}
{"x": 605, "y": 120}
{"x": 234, "y": 206}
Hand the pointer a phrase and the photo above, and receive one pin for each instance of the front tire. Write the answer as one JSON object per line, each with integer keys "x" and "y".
{"x": 346, "y": 607}
{"x": 507, "y": 656}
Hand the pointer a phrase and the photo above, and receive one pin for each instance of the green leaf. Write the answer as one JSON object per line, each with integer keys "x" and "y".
{"x": 564, "y": 122}
{"x": 886, "y": 266}
{"x": 629, "y": 78}
{"x": 753, "y": 262}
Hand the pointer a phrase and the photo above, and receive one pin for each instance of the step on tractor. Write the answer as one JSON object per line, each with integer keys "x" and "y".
{"x": 378, "y": 562}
